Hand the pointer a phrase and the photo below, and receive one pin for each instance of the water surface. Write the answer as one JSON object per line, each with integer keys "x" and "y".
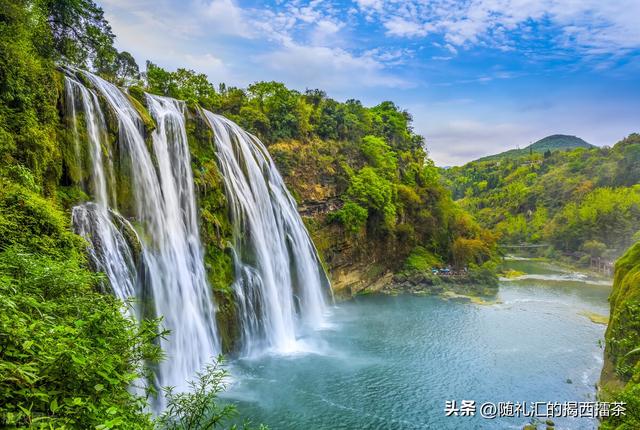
{"x": 392, "y": 362}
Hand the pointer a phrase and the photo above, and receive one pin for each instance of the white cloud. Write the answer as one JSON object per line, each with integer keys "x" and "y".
{"x": 212, "y": 66}
{"x": 225, "y": 17}
{"x": 333, "y": 69}
{"x": 370, "y": 4}
{"x": 397, "y": 26}
{"x": 594, "y": 27}
{"x": 326, "y": 32}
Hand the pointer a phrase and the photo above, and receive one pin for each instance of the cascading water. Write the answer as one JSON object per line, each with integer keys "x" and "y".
{"x": 157, "y": 257}
{"x": 112, "y": 254}
{"x": 167, "y": 272}
{"x": 280, "y": 285}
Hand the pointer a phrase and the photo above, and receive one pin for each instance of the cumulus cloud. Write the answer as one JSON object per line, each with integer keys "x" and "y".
{"x": 594, "y": 27}
{"x": 398, "y": 26}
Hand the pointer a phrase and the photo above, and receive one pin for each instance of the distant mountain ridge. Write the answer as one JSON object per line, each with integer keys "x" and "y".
{"x": 555, "y": 142}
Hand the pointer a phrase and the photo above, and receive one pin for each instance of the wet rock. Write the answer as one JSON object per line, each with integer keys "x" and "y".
{"x": 399, "y": 278}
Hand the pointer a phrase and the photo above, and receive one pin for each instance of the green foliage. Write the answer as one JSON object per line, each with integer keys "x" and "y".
{"x": 628, "y": 168}
{"x": 484, "y": 275}
{"x": 183, "y": 84}
{"x": 370, "y": 190}
{"x": 421, "y": 260}
{"x": 119, "y": 67}
{"x": 28, "y": 91}
{"x": 594, "y": 248}
{"x": 68, "y": 354}
{"x": 275, "y": 113}
{"x": 565, "y": 198}
{"x": 30, "y": 221}
{"x": 282, "y": 113}
{"x": 200, "y": 408}
{"x": 353, "y": 217}
{"x": 606, "y": 215}
{"x": 622, "y": 340}
{"x": 469, "y": 251}
{"x": 80, "y": 34}
{"x": 379, "y": 155}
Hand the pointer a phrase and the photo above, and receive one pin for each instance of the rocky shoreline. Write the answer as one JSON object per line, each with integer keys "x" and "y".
{"x": 462, "y": 288}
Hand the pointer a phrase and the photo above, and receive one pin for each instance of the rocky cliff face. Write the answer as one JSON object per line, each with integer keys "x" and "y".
{"x": 335, "y": 182}
{"x": 315, "y": 174}
{"x": 621, "y": 373}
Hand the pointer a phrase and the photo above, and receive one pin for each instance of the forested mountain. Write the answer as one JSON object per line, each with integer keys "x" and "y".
{"x": 584, "y": 201}
{"x": 556, "y": 142}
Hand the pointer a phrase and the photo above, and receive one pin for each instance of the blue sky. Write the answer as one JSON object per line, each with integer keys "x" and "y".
{"x": 478, "y": 76}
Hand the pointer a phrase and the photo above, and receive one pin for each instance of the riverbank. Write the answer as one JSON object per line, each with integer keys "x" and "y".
{"x": 465, "y": 287}
{"x": 565, "y": 261}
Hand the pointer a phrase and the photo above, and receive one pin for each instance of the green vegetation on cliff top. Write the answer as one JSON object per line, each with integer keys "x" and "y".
{"x": 360, "y": 174}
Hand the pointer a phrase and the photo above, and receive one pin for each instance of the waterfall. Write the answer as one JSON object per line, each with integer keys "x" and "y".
{"x": 166, "y": 275}
{"x": 111, "y": 253}
{"x": 142, "y": 227}
{"x": 280, "y": 284}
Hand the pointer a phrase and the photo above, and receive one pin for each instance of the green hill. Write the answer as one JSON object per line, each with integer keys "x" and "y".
{"x": 555, "y": 142}
{"x": 583, "y": 202}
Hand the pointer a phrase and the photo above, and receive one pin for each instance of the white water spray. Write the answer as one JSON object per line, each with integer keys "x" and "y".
{"x": 169, "y": 275}
{"x": 280, "y": 284}
{"x": 156, "y": 257}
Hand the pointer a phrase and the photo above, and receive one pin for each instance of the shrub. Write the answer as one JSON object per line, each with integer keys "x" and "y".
{"x": 68, "y": 353}
{"x": 200, "y": 407}
{"x": 372, "y": 191}
{"x": 352, "y": 216}
{"x": 594, "y": 248}
{"x": 421, "y": 260}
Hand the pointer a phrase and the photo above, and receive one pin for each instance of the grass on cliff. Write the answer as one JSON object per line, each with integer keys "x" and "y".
{"x": 623, "y": 343}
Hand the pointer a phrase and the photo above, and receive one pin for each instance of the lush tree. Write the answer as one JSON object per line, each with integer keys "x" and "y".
{"x": 566, "y": 198}
{"x": 469, "y": 251}
{"x": 183, "y": 84}
{"x": 119, "y": 67}
{"x": 80, "y": 33}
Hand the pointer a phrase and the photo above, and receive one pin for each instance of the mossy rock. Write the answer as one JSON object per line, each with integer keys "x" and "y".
{"x": 227, "y": 321}
{"x": 137, "y": 93}
{"x": 147, "y": 120}
{"x": 621, "y": 373}
{"x": 129, "y": 234}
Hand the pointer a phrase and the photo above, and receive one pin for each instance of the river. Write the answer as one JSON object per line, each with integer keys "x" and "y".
{"x": 391, "y": 362}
